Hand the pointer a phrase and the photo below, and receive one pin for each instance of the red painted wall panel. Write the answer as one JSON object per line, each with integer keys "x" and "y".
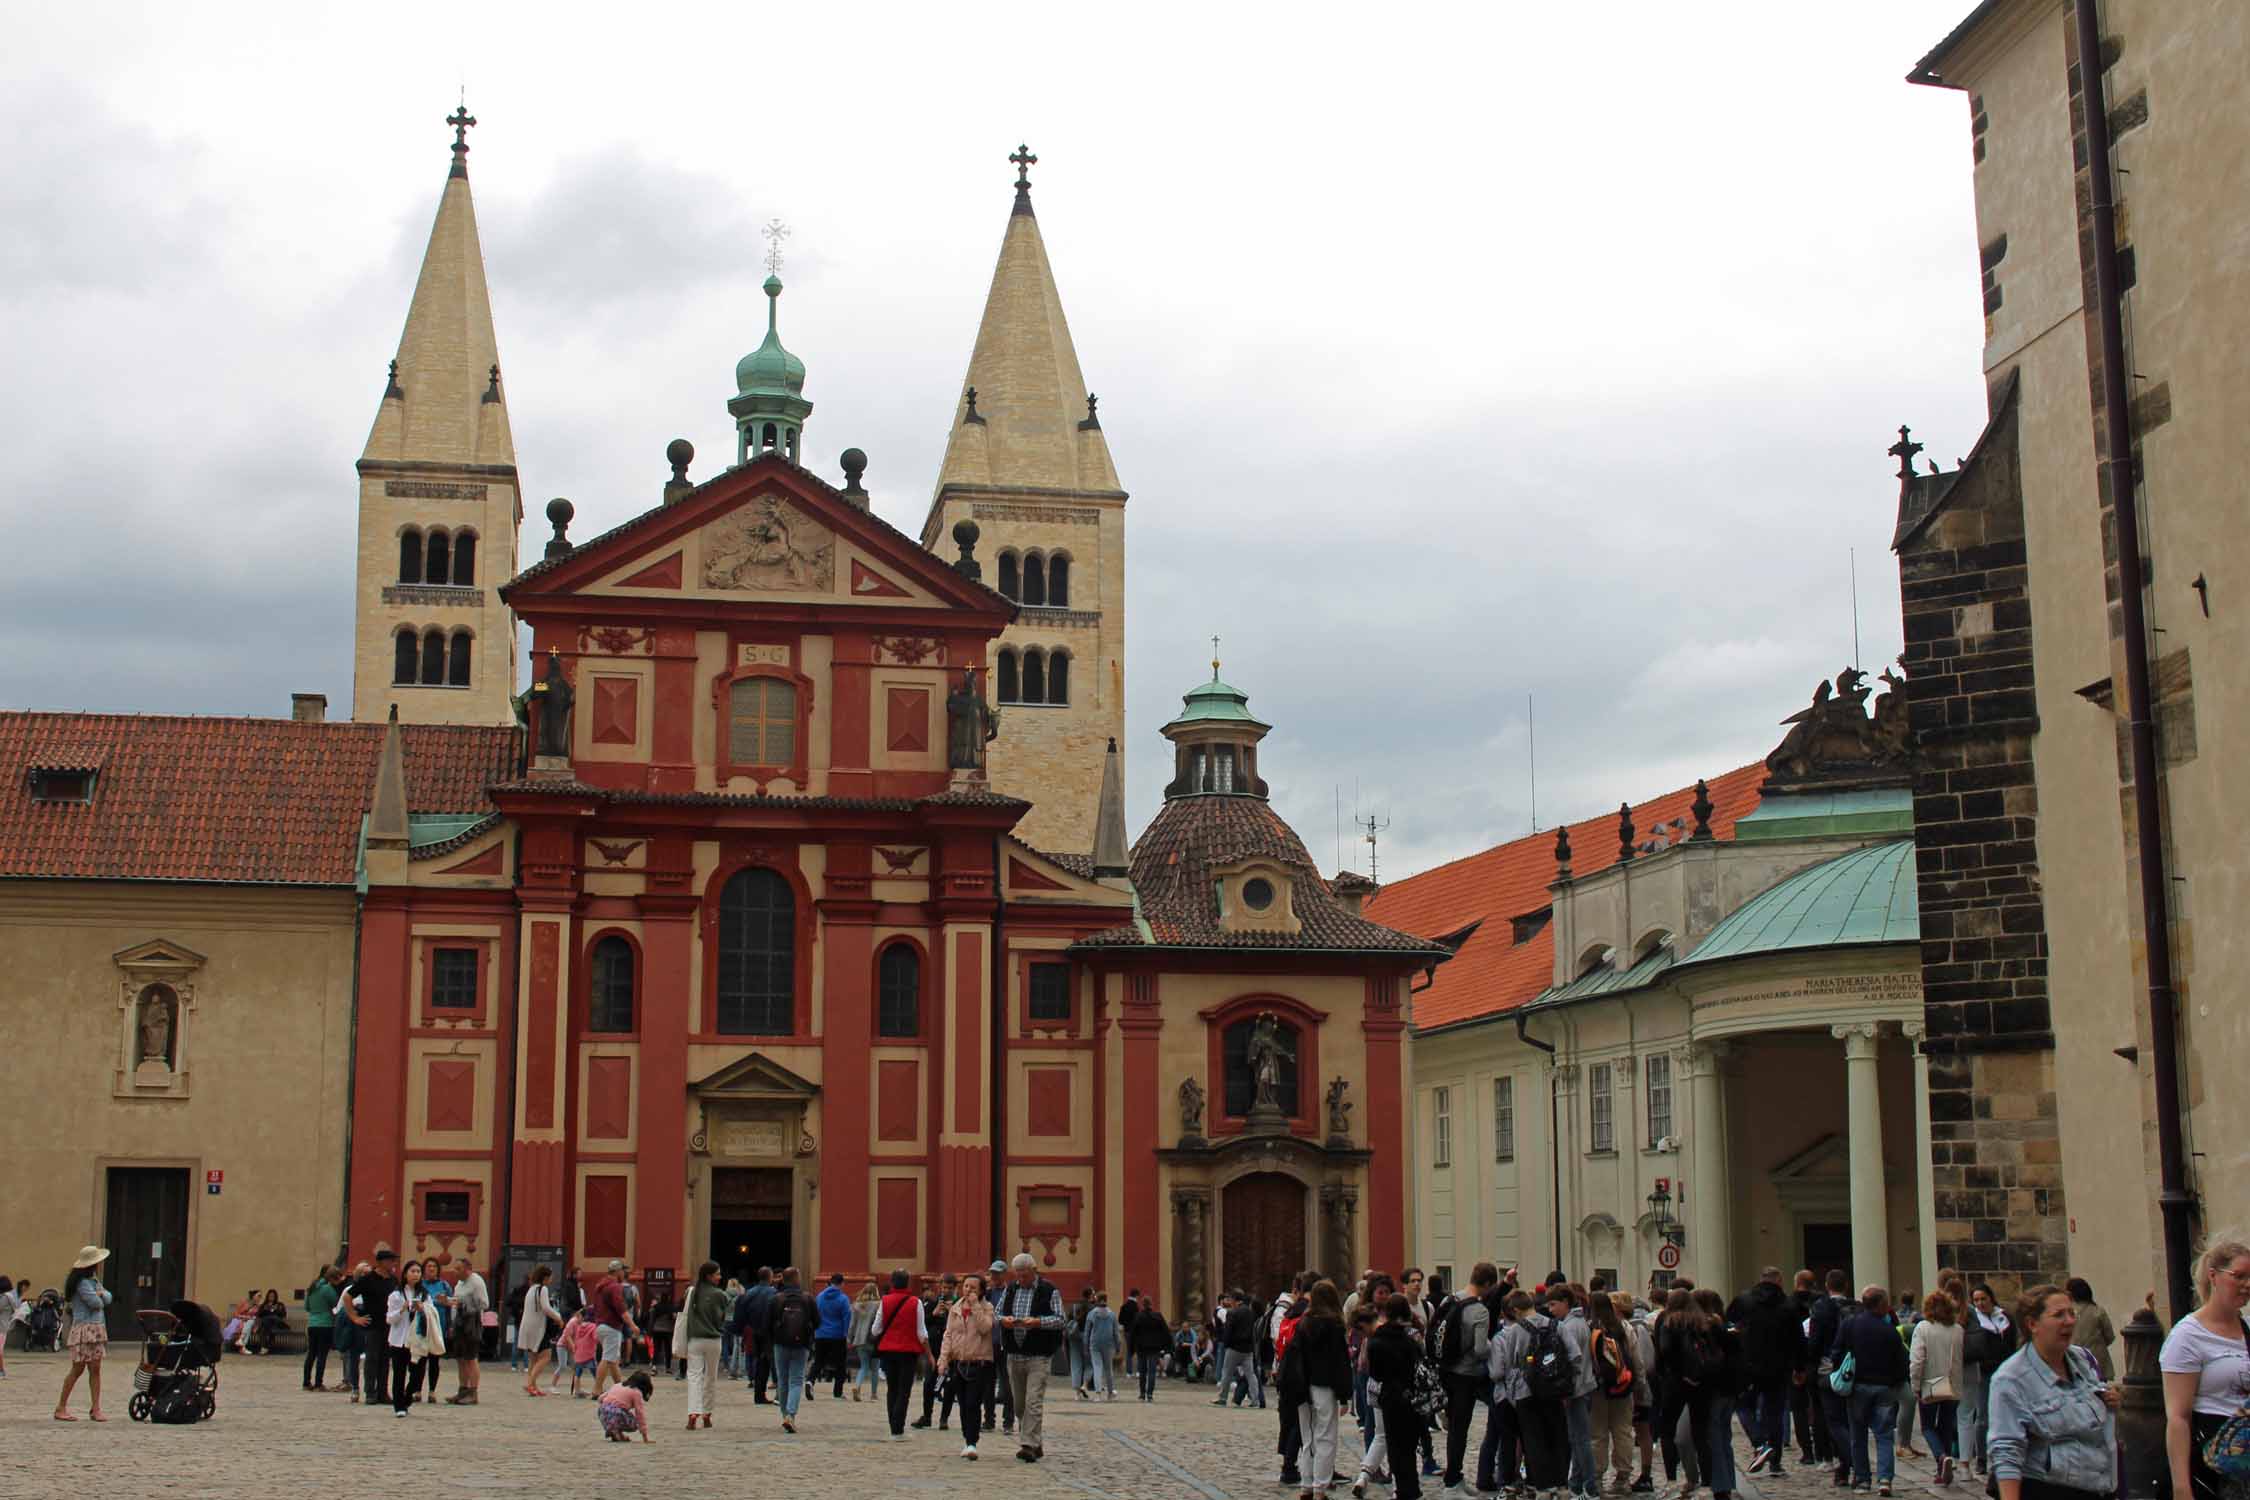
{"x": 449, "y": 1094}
{"x": 609, "y": 1098}
{"x": 539, "y": 1035}
{"x": 381, "y": 1087}
{"x": 605, "y": 1216}
{"x": 846, "y": 1110}
{"x": 1048, "y": 1100}
{"x": 897, "y": 1092}
{"x": 667, "y": 1011}
{"x": 896, "y": 1201}
{"x": 968, "y": 1032}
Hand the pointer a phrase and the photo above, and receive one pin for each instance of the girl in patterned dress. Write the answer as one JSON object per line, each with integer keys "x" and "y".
{"x": 88, "y": 1302}
{"x": 623, "y": 1408}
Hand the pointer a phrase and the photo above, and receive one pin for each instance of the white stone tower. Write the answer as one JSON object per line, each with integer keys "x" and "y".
{"x": 439, "y": 501}
{"x": 1027, "y": 463}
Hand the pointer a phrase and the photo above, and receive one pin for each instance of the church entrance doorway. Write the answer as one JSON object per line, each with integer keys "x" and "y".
{"x": 750, "y": 1218}
{"x": 1262, "y": 1229}
{"x": 146, "y": 1230}
{"x": 1828, "y": 1247}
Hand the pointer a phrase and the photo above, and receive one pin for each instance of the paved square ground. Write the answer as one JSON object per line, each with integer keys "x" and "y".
{"x": 272, "y": 1441}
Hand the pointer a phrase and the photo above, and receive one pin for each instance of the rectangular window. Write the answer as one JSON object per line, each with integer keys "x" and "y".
{"x": 1503, "y": 1119}
{"x": 1050, "y": 992}
{"x": 761, "y": 723}
{"x": 453, "y": 979}
{"x": 1441, "y": 1135}
{"x": 445, "y": 1208}
{"x": 1657, "y": 1073}
{"x": 1600, "y": 1100}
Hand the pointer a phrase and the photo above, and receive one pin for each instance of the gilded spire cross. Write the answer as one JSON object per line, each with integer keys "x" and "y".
{"x": 775, "y": 232}
{"x": 1214, "y": 658}
{"x": 461, "y": 120}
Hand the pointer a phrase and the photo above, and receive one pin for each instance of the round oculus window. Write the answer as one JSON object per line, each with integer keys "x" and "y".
{"x": 1257, "y": 893}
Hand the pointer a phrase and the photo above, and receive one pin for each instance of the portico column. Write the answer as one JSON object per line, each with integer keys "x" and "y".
{"x": 1709, "y": 1218}
{"x": 1871, "y": 1234}
{"x": 1925, "y": 1192}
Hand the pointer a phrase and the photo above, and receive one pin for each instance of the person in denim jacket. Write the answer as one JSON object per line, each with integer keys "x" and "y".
{"x": 2052, "y": 1434}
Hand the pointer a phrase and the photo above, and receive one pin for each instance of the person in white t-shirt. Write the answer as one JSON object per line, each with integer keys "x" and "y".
{"x": 2206, "y": 1365}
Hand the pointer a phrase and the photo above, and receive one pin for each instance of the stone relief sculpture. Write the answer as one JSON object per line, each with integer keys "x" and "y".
{"x": 1836, "y": 739}
{"x": 767, "y": 546}
{"x": 1191, "y": 1110}
{"x": 1339, "y": 1109}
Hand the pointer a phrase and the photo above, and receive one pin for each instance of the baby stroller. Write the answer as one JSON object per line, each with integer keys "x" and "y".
{"x": 42, "y": 1323}
{"x": 178, "y": 1377}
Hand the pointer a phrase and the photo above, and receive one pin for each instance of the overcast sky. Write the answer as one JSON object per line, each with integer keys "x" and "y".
{"x": 1454, "y": 356}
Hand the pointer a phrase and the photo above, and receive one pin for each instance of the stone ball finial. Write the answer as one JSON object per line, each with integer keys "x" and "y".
{"x": 559, "y": 511}
{"x": 965, "y": 534}
{"x": 854, "y": 462}
{"x": 679, "y": 453}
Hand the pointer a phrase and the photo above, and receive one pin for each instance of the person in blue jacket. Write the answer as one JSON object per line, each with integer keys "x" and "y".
{"x": 830, "y": 1335}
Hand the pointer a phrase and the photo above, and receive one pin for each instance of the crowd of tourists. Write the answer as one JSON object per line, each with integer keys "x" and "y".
{"x": 1558, "y": 1390}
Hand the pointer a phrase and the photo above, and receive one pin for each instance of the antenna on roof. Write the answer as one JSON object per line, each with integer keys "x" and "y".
{"x": 1531, "y": 721}
{"x": 1374, "y": 826}
{"x": 1339, "y": 828}
{"x": 1853, "y": 554}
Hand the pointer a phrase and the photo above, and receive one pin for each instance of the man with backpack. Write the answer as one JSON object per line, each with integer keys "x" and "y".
{"x": 752, "y": 1324}
{"x": 1461, "y": 1347}
{"x": 794, "y": 1321}
{"x": 1773, "y": 1351}
{"x": 1532, "y": 1362}
{"x": 1828, "y": 1315}
{"x": 1566, "y": 1304}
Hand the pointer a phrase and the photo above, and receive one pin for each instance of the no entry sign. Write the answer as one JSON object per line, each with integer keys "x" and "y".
{"x": 1668, "y": 1256}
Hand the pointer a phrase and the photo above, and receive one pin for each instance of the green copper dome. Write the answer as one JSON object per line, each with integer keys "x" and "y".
{"x": 1214, "y": 701}
{"x": 770, "y": 369}
{"x": 1866, "y": 896}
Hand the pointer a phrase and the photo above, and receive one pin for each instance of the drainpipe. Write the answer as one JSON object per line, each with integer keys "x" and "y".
{"x": 2174, "y": 1200}
{"x": 1554, "y": 1124}
{"x": 998, "y": 1104}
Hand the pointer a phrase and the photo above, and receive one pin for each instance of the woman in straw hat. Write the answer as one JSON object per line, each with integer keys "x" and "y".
{"x": 88, "y": 1302}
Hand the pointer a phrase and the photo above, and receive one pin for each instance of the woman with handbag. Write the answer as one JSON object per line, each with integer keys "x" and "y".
{"x": 965, "y": 1357}
{"x": 536, "y": 1330}
{"x": 1934, "y": 1376}
{"x": 2052, "y": 1432}
{"x": 415, "y": 1339}
{"x": 2206, "y": 1365}
{"x": 1988, "y": 1339}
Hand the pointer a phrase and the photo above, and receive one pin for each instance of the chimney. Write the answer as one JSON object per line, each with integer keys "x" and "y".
{"x": 308, "y": 708}
{"x": 1351, "y": 890}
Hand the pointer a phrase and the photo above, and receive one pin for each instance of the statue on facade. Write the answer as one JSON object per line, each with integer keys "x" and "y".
{"x": 155, "y": 1029}
{"x": 1836, "y": 740}
{"x": 555, "y": 699}
{"x": 1339, "y": 1109}
{"x": 1191, "y": 1110}
{"x": 970, "y": 724}
{"x": 1266, "y": 1054}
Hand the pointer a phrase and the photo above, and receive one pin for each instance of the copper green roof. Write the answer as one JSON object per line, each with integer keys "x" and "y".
{"x": 1866, "y": 896}
{"x": 1798, "y": 815}
{"x": 1606, "y": 978}
{"x": 770, "y": 369}
{"x": 1215, "y": 702}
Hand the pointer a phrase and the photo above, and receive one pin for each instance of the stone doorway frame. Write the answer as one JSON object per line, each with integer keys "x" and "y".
{"x": 756, "y": 1113}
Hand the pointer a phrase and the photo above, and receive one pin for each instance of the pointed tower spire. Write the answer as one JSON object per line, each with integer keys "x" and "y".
{"x": 438, "y": 502}
{"x": 386, "y": 814}
{"x": 1112, "y": 857}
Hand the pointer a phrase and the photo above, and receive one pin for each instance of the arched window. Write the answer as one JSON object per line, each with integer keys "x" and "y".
{"x": 1007, "y": 690}
{"x": 757, "y": 973}
{"x": 1011, "y": 582}
{"x": 772, "y": 436}
{"x": 408, "y": 655}
{"x": 457, "y": 666}
{"x": 1034, "y": 579}
{"x": 1035, "y": 676}
{"x": 433, "y": 657}
{"x": 410, "y": 556}
{"x": 435, "y": 553}
{"x": 1242, "y": 1079}
{"x": 762, "y": 722}
{"x": 1058, "y": 677}
{"x": 898, "y": 985}
{"x": 464, "y": 558}
{"x": 1058, "y": 581}
{"x": 609, "y": 995}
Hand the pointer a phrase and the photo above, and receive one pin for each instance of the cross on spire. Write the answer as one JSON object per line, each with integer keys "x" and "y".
{"x": 461, "y": 120}
{"x": 1214, "y": 658}
{"x": 1023, "y": 161}
{"x": 1904, "y": 450}
{"x": 775, "y": 232}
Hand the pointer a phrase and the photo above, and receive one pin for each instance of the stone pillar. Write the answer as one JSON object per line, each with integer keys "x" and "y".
{"x": 1871, "y": 1236}
{"x": 1925, "y": 1187}
{"x": 1191, "y": 1217}
{"x": 1339, "y": 1206}
{"x": 1709, "y": 1253}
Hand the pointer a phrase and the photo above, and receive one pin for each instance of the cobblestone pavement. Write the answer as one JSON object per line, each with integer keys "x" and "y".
{"x": 271, "y": 1440}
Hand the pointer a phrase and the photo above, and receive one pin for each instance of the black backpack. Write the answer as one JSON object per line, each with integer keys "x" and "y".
{"x": 1547, "y": 1368}
{"x": 1703, "y": 1358}
{"x": 1446, "y": 1347}
{"x": 793, "y": 1319}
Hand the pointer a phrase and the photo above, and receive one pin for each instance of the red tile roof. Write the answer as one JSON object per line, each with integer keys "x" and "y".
{"x": 268, "y": 801}
{"x": 1493, "y": 973}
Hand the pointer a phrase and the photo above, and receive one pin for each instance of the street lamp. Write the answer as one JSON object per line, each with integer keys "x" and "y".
{"x": 1660, "y": 1205}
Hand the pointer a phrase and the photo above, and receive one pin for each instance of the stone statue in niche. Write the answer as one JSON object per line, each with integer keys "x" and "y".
{"x": 555, "y": 699}
{"x": 1266, "y": 1054}
{"x": 970, "y": 724}
{"x": 1191, "y": 1110}
{"x": 153, "y": 1032}
{"x": 1339, "y": 1109}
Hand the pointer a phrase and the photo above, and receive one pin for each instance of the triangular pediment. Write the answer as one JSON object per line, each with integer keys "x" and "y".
{"x": 765, "y": 533}
{"x": 1032, "y": 875}
{"x": 754, "y": 1077}
{"x": 1828, "y": 1157}
{"x": 158, "y": 953}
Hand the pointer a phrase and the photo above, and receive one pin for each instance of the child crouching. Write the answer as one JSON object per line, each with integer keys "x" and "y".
{"x": 623, "y": 1408}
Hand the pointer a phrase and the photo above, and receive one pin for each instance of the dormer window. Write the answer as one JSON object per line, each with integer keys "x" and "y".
{"x": 1257, "y": 893}
{"x": 60, "y": 784}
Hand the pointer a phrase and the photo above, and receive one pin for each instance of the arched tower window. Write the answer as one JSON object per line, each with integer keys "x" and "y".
{"x": 435, "y": 554}
{"x": 757, "y": 959}
{"x": 1058, "y": 677}
{"x": 1034, "y": 579}
{"x": 1058, "y": 581}
{"x": 407, "y": 656}
{"x": 899, "y": 992}
{"x": 457, "y": 665}
{"x": 1008, "y": 689}
{"x": 464, "y": 558}
{"x": 1035, "y": 676}
{"x": 410, "y": 556}
{"x": 609, "y": 995}
{"x": 1011, "y": 579}
{"x": 433, "y": 657}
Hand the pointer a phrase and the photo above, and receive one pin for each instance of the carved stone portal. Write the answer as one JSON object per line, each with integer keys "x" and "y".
{"x": 1339, "y": 1211}
{"x": 1191, "y": 1218}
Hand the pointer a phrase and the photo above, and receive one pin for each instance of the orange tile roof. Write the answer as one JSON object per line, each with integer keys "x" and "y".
{"x": 1493, "y": 973}
{"x": 270, "y": 801}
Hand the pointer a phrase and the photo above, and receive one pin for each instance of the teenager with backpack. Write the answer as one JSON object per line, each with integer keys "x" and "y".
{"x": 1566, "y": 1304}
{"x": 1461, "y": 1347}
{"x": 1726, "y": 1387}
{"x": 1827, "y": 1319}
{"x": 1617, "y": 1382}
{"x": 1690, "y": 1361}
{"x": 1543, "y": 1373}
{"x": 794, "y": 1321}
{"x": 1773, "y": 1351}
